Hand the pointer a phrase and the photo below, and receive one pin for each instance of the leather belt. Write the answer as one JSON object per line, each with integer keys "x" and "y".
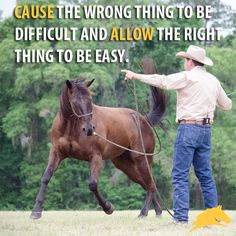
{"x": 193, "y": 122}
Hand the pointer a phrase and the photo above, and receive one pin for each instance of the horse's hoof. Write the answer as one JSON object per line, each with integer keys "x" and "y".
{"x": 110, "y": 211}
{"x": 35, "y": 215}
{"x": 142, "y": 216}
{"x": 158, "y": 215}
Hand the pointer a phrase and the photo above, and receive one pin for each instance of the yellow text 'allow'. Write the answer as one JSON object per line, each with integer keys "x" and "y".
{"x": 129, "y": 34}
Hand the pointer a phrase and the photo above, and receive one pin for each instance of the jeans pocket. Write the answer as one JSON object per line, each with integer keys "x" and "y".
{"x": 191, "y": 134}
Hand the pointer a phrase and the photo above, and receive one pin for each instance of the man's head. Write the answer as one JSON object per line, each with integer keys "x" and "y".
{"x": 189, "y": 64}
{"x": 195, "y": 56}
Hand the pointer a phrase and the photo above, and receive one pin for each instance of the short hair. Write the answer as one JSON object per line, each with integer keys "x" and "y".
{"x": 196, "y": 63}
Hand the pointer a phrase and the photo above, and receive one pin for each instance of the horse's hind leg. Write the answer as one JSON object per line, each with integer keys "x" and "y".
{"x": 157, "y": 206}
{"x": 53, "y": 163}
{"x": 144, "y": 165}
{"x": 144, "y": 169}
{"x": 95, "y": 164}
{"x": 129, "y": 166}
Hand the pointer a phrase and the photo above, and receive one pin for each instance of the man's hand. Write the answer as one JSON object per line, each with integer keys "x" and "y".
{"x": 129, "y": 74}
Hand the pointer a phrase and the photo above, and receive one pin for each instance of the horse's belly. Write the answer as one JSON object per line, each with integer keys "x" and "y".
{"x": 111, "y": 152}
{"x": 114, "y": 142}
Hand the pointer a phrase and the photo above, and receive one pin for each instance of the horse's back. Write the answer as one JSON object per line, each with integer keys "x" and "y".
{"x": 123, "y": 117}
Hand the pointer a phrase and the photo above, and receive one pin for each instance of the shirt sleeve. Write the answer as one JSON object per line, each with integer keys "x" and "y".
{"x": 173, "y": 81}
{"x": 223, "y": 101}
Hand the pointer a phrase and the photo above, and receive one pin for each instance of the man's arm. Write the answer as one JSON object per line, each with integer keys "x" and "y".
{"x": 173, "y": 81}
{"x": 223, "y": 101}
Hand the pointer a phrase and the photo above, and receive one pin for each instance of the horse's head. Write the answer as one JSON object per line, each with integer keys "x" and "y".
{"x": 220, "y": 215}
{"x": 81, "y": 103}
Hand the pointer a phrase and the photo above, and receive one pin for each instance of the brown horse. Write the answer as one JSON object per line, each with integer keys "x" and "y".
{"x": 72, "y": 136}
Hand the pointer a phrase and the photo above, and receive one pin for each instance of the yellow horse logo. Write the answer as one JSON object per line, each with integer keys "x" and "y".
{"x": 211, "y": 216}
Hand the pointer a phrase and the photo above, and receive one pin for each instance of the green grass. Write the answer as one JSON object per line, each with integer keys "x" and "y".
{"x": 56, "y": 223}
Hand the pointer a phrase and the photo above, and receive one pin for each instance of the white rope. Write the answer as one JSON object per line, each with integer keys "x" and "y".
{"x": 120, "y": 146}
{"x": 146, "y": 154}
{"x": 80, "y": 116}
{"x": 141, "y": 135}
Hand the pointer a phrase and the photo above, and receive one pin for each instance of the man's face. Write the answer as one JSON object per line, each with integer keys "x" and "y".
{"x": 187, "y": 64}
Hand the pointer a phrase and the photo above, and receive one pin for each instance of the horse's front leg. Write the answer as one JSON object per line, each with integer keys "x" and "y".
{"x": 95, "y": 164}
{"x": 53, "y": 162}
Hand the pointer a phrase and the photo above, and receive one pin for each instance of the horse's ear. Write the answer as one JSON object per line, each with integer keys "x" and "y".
{"x": 69, "y": 84}
{"x": 88, "y": 83}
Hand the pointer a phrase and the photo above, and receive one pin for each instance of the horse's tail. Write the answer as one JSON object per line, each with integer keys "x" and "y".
{"x": 157, "y": 106}
{"x": 157, "y": 99}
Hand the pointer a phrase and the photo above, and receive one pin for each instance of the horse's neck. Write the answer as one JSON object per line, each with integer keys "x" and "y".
{"x": 95, "y": 107}
{"x": 70, "y": 125}
{"x": 70, "y": 119}
{"x": 65, "y": 108}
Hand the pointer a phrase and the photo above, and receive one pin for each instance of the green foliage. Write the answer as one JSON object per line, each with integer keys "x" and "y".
{"x": 10, "y": 185}
{"x": 125, "y": 194}
{"x": 223, "y": 159}
{"x": 56, "y": 74}
{"x": 16, "y": 121}
{"x": 7, "y": 62}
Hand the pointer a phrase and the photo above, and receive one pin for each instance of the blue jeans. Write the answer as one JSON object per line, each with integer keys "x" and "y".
{"x": 192, "y": 146}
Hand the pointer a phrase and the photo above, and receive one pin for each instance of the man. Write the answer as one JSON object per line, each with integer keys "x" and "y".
{"x": 198, "y": 94}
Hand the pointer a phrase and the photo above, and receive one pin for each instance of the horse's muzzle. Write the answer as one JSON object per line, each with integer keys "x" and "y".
{"x": 89, "y": 130}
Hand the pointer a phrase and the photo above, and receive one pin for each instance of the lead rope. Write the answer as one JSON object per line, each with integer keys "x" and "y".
{"x": 120, "y": 146}
{"x": 157, "y": 136}
{"x": 145, "y": 155}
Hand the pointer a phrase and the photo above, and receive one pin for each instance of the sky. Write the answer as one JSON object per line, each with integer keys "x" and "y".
{"x": 7, "y": 6}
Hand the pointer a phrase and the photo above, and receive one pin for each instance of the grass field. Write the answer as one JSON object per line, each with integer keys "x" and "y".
{"x": 97, "y": 223}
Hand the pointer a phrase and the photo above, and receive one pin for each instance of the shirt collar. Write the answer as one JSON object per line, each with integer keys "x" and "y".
{"x": 201, "y": 68}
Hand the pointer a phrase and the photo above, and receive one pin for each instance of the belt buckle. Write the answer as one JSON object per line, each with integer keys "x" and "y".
{"x": 206, "y": 121}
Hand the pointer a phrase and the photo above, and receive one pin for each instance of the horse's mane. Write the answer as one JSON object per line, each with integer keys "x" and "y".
{"x": 157, "y": 100}
{"x": 65, "y": 107}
